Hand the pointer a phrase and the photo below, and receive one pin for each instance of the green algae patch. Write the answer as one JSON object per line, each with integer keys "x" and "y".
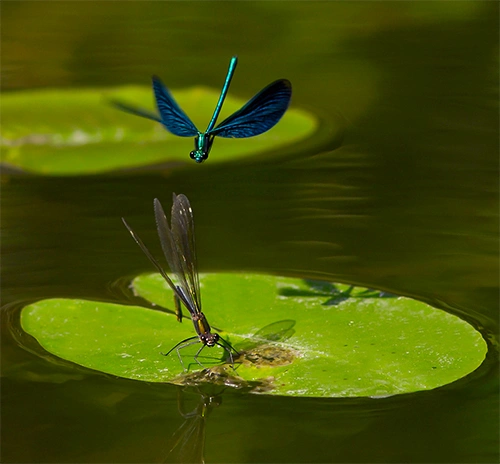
{"x": 294, "y": 337}
{"x": 77, "y": 131}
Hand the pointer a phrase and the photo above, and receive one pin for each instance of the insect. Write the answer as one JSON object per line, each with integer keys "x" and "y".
{"x": 178, "y": 244}
{"x": 259, "y": 115}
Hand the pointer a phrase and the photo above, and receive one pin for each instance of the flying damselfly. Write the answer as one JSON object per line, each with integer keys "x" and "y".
{"x": 178, "y": 245}
{"x": 257, "y": 116}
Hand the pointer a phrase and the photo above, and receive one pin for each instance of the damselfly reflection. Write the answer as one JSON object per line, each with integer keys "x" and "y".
{"x": 257, "y": 116}
{"x": 187, "y": 444}
{"x": 178, "y": 244}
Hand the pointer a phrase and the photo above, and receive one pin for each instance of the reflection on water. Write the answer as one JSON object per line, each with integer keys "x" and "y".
{"x": 187, "y": 444}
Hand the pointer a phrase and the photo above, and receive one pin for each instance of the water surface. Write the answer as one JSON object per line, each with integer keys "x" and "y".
{"x": 401, "y": 194}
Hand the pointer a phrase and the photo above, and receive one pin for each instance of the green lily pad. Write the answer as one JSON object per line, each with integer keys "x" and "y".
{"x": 295, "y": 337}
{"x": 67, "y": 132}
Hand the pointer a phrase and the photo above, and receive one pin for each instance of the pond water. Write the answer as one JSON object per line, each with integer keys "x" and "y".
{"x": 399, "y": 192}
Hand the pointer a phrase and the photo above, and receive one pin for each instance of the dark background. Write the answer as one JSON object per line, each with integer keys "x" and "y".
{"x": 399, "y": 192}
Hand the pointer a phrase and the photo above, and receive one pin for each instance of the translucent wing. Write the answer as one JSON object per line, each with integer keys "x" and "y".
{"x": 172, "y": 117}
{"x": 153, "y": 260}
{"x": 260, "y": 114}
{"x": 182, "y": 226}
{"x": 178, "y": 245}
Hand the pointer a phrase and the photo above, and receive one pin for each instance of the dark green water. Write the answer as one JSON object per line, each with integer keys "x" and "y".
{"x": 406, "y": 202}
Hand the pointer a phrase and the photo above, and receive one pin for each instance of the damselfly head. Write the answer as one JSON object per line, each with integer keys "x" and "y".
{"x": 209, "y": 338}
{"x": 198, "y": 155}
{"x": 202, "y": 145}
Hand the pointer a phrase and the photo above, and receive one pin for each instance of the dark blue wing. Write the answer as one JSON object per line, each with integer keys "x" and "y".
{"x": 172, "y": 117}
{"x": 260, "y": 114}
{"x": 137, "y": 111}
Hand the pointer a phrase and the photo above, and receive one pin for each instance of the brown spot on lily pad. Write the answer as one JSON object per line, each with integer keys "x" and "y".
{"x": 268, "y": 355}
{"x": 227, "y": 376}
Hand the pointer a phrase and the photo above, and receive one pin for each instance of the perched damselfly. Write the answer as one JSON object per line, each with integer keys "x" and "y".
{"x": 257, "y": 116}
{"x": 178, "y": 244}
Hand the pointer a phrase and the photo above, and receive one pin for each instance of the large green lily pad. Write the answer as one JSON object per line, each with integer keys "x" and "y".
{"x": 68, "y": 132}
{"x": 296, "y": 337}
